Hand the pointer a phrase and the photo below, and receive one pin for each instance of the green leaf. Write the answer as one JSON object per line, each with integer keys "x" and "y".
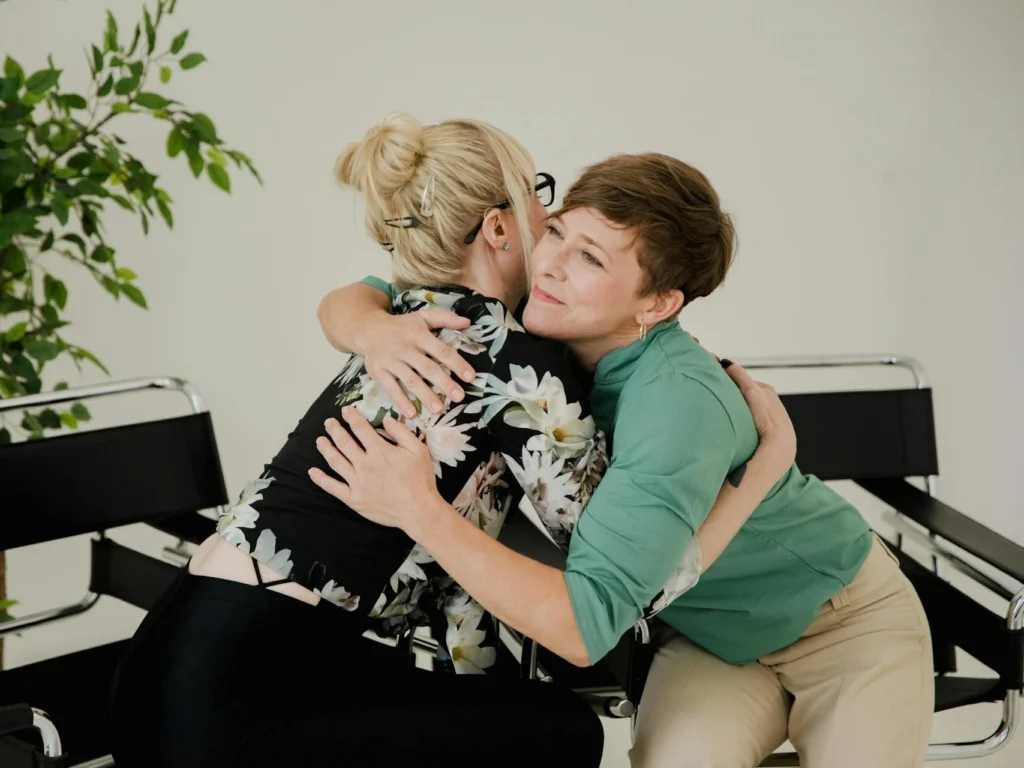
{"x": 110, "y": 38}
{"x": 51, "y": 317}
{"x": 57, "y": 292}
{"x": 175, "y": 142}
{"x": 126, "y": 85}
{"x": 192, "y": 61}
{"x": 5, "y": 439}
{"x": 137, "y": 69}
{"x": 179, "y": 42}
{"x": 119, "y": 109}
{"x": 72, "y": 101}
{"x": 31, "y": 423}
{"x": 134, "y": 294}
{"x": 135, "y": 41}
{"x": 150, "y": 32}
{"x": 43, "y": 80}
{"x": 145, "y": 223}
{"x": 205, "y": 128}
{"x": 69, "y": 420}
{"x": 219, "y": 177}
{"x": 165, "y": 211}
{"x": 195, "y": 161}
{"x": 14, "y": 262}
{"x": 71, "y": 237}
{"x": 89, "y": 187}
{"x": 102, "y": 254}
{"x": 217, "y": 158}
{"x": 9, "y": 94}
{"x": 17, "y": 223}
{"x": 43, "y": 351}
{"x": 15, "y": 332}
{"x": 165, "y": 75}
{"x": 124, "y": 202}
{"x": 80, "y": 412}
{"x": 49, "y": 419}
{"x": 151, "y": 100}
{"x": 13, "y": 71}
{"x": 11, "y": 134}
{"x": 85, "y": 354}
{"x": 60, "y": 386}
{"x": 60, "y": 208}
{"x": 47, "y": 243}
{"x": 112, "y": 287}
{"x": 125, "y": 274}
{"x": 97, "y": 59}
{"x": 81, "y": 160}
{"x": 106, "y": 88}
{"x": 23, "y": 367}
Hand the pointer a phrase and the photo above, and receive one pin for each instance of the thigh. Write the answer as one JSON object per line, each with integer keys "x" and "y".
{"x": 863, "y": 685}
{"x": 699, "y": 711}
{"x": 404, "y": 716}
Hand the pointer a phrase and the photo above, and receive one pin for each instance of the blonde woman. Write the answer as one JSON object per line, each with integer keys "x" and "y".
{"x": 256, "y": 656}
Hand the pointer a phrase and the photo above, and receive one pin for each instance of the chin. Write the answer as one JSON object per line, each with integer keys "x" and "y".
{"x": 540, "y": 321}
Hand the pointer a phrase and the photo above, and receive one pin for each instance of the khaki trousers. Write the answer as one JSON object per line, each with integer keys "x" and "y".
{"x": 855, "y": 691}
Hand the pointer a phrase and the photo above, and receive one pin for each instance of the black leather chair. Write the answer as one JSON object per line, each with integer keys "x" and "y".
{"x": 158, "y": 472}
{"x": 879, "y": 439}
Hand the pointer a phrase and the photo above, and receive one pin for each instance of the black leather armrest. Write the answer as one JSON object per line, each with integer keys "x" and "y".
{"x": 942, "y": 520}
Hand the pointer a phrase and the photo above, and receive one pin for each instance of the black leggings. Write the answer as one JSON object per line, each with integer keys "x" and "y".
{"x": 226, "y": 674}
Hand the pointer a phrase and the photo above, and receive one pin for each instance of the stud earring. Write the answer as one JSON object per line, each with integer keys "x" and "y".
{"x": 507, "y": 246}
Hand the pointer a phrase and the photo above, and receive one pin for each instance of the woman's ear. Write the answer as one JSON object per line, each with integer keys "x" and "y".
{"x": 662, "y": 306}
{"x": 495, "y": 230}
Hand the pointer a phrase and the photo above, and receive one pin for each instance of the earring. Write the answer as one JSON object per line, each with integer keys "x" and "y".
{"x": 507, "y": 246}
{"x": 643, "y": 330}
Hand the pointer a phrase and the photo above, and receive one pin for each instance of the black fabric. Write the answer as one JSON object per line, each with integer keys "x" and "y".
{"x": 844, "y": 435}
{"x": 950, "y": 524}
{"x": 19, "y": 753}
{"x": 193, "y": 527}
{"x": 956, "y": 618}
{"x": 128, "y": 575}
{"x": 79, "y": 483}
{"x": 226, "y": 674}
{"x": 953, "y": 692}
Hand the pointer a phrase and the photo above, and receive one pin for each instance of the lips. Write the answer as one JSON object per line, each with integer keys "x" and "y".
{"x": 542, "y": 295}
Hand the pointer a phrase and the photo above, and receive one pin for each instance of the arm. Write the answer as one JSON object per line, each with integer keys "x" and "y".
{"x": 402, "y": 352}
{"x": 345, "y": 312}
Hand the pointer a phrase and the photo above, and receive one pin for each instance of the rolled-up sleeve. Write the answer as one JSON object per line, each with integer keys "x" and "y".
{"x": 672, "y": 448}
{"x": 381, "y": 285}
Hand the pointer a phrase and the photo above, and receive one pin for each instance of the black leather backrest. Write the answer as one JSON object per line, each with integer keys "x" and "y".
{"x": 80, "y": 483}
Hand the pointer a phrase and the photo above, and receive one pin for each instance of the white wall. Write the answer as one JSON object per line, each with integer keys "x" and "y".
{"x": 871, "y": 153}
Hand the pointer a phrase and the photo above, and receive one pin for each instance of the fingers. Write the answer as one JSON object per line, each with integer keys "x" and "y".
{"x": 440, "y": 318}
{"x": 450, "y": 359}
{"x": 437, "y": 376}
{"x": 336, "y": 488}
{"x": 739, "y": 374}
{"x": 335, "y": 459}
{"x": 344, "y": 447}
{"x": 402, "y": 435}
{"x": 395, "y": 391}
{"x": 362, "y": 429}
{"x": 419, "y": 388}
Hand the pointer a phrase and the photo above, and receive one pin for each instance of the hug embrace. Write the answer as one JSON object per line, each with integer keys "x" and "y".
{"x": 521, "y": 353}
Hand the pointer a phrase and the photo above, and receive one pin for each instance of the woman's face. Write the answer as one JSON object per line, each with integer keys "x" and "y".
{"x": 585, "y": 281}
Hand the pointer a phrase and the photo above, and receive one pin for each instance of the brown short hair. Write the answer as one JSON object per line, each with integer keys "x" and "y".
{"x": 683, "y": 237}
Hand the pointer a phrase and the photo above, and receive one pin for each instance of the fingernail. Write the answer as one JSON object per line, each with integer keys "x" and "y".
{"x": 410, "y": 413}
{"x": 726, "y": 362}
{"x": 456, "y": 394}
{"x": 468, "y": 375}
{"x": 436, "y": 407}
{"x": 327, "y": 423}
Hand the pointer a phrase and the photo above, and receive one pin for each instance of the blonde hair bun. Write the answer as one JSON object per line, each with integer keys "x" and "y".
{"x": 384, "y": 161}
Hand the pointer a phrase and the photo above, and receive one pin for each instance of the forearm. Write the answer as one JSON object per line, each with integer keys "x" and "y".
{"x": 530, "y": 597}
{"x": 740, "y": 496}
{"x": 343, "y": 313}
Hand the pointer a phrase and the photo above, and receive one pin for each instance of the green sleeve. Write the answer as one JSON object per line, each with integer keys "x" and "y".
{"x": 672, "y": 448}
{"x": 380, "y": 285}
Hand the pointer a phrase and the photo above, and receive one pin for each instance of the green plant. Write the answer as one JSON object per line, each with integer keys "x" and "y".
{"x": 60, "y": 167}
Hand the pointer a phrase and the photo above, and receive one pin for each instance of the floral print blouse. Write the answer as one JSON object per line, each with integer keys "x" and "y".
{"x": 523, "y": 429}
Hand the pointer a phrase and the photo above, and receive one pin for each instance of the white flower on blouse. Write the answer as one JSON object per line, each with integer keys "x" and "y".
{"x": 477, "y": 501}
{"x": 372, "y": 398}
{"x": 404, "y": 603}
{"x": 469, "y": 340}
{"x": 463, "y": 640}
{"x": 267, "y": 553}
{"x": 427, "y": 296}
{"x": 446, "y": 440}
{"x": 551, "y": 489}
{"x": 683, "y": 579}
{"x": 353, "y": 366}
{"x": 410, "y": 567}
{"x": 496, "y": 326}
{"x": 337, "y": 594}
{"x": 241, "y": 514}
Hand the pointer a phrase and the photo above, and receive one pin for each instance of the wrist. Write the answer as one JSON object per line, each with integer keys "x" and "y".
{"x": 767, "y": 466}
{"x": 431, "y": 521}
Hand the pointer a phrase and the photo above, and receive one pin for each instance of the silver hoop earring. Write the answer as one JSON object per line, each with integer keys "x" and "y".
{"x": 507, "y": 246}
{"x": 643, "y": 330}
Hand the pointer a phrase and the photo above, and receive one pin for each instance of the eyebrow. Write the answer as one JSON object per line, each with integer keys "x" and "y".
{"x": 585, "y": 237}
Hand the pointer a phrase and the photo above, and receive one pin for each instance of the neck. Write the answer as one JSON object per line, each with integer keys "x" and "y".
{"x": 588, "y": 352}
{"x": 482, "y": 278}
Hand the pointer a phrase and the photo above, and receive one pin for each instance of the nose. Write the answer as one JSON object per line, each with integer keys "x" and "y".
{"x": 550, "y": 259}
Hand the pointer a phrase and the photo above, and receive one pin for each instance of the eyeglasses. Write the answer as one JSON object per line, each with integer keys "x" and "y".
{"x": 545, "y": 191}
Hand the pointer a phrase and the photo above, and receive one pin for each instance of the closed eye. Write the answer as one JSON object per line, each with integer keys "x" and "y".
{"x": 591, "y": 259}
{"x": 553, "y": 230}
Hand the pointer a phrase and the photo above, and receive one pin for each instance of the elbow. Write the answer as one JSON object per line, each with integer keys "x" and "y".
{"x": 581, "y": 660}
